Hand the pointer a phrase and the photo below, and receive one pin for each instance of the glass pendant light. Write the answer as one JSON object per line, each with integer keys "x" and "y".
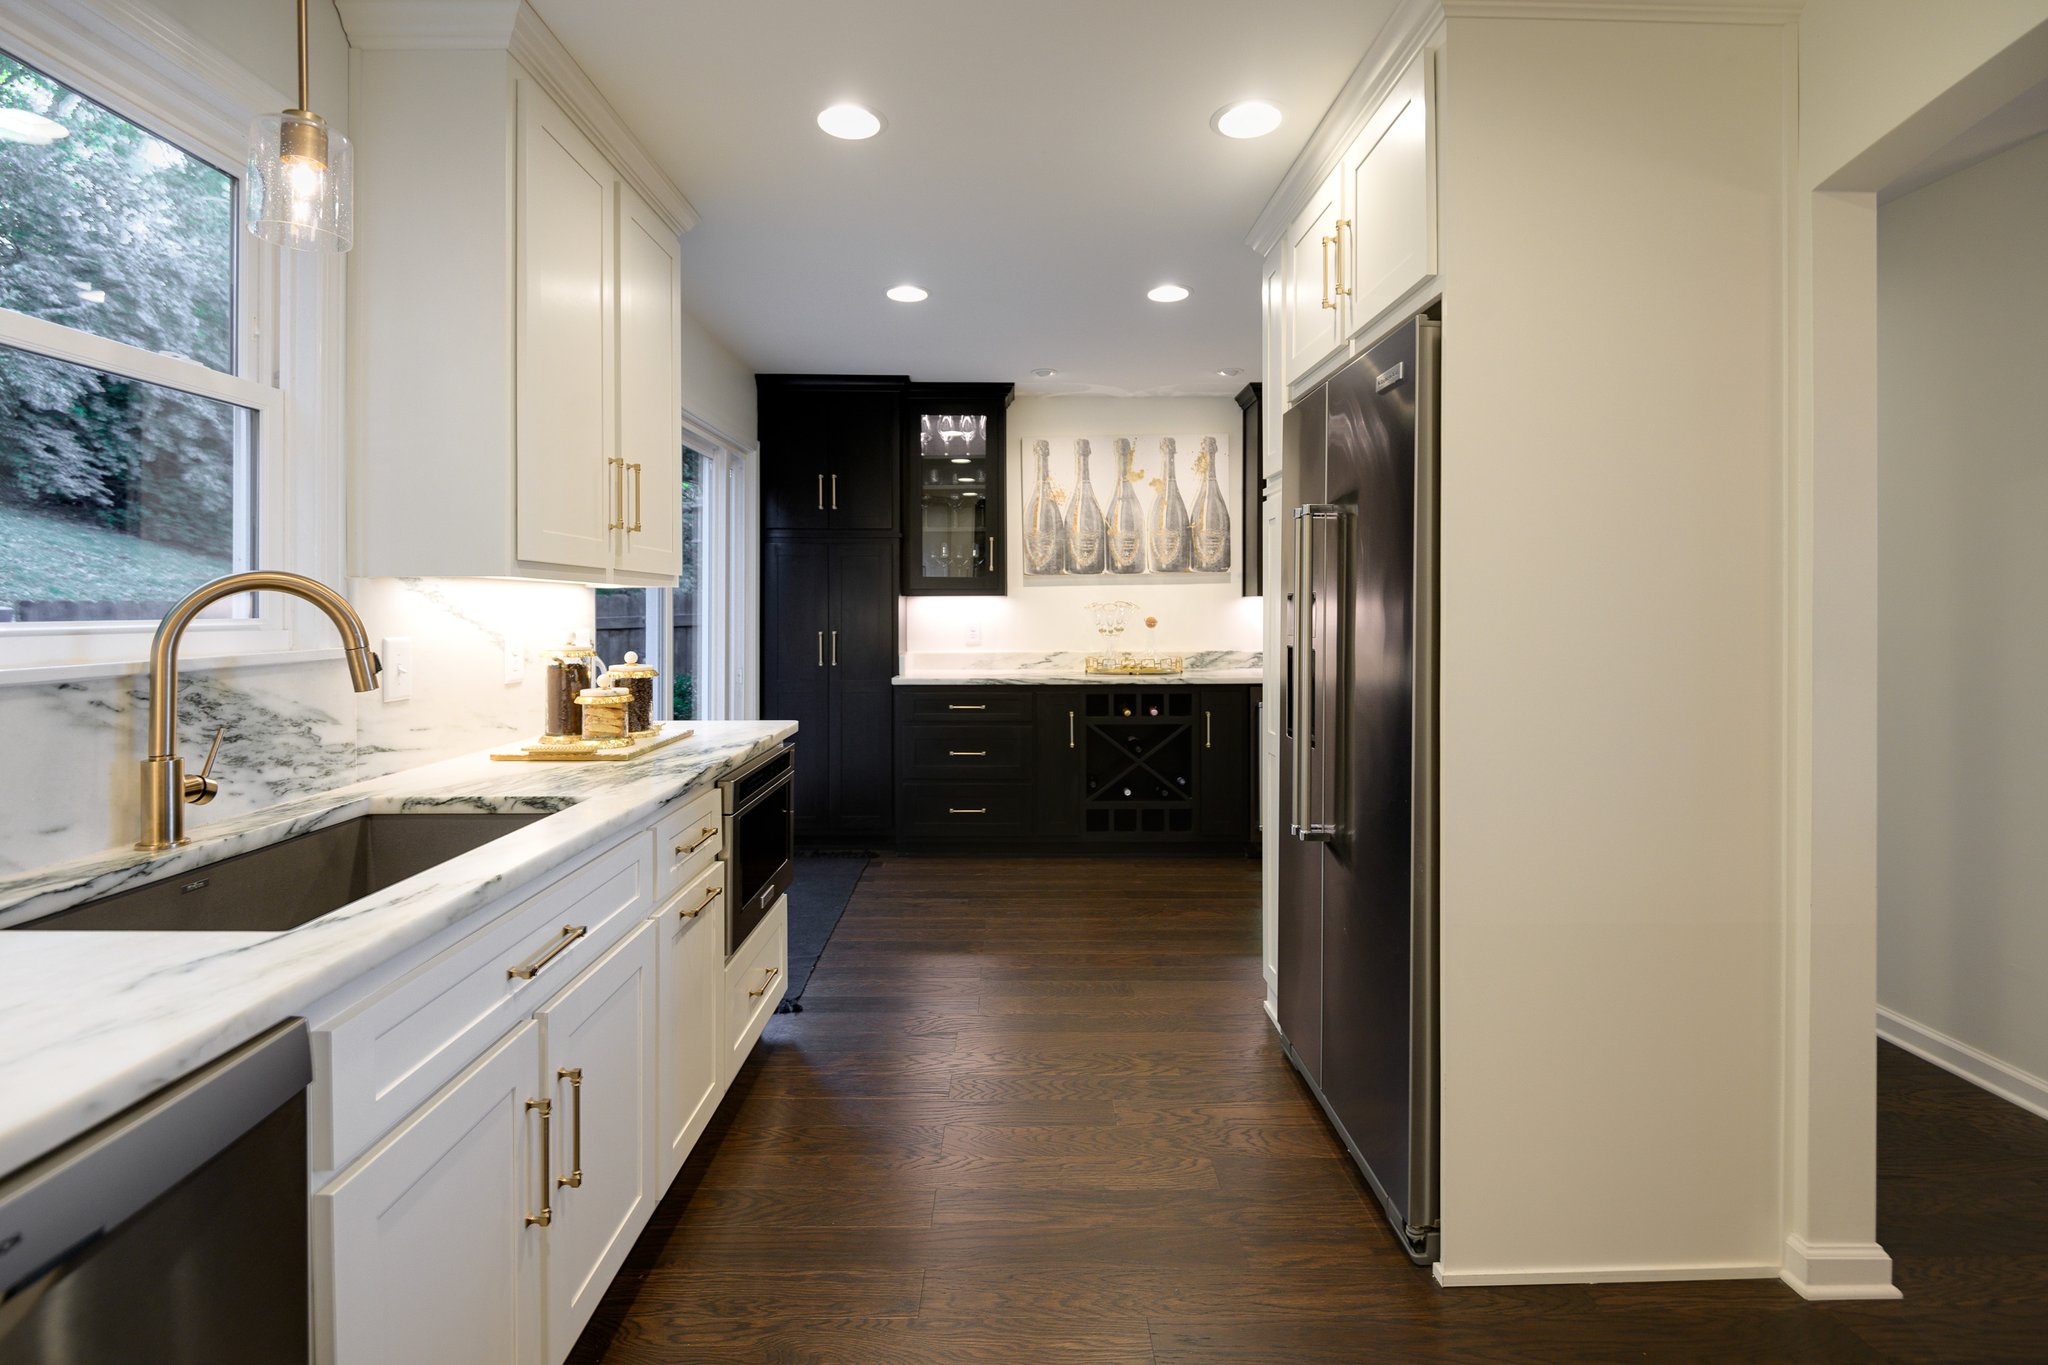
{"x": 300, "y": 185}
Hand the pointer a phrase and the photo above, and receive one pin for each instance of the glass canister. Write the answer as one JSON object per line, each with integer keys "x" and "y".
{"x": 604, "y": 714}
{"x": 638, "y": 680}
{"x": 571, "y": 669}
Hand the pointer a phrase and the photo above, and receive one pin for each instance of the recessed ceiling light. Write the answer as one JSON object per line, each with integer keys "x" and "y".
{"x": 908, "y": 293}
{"x": 1246, "y": 118}
{"x": 24, "y": 125}
{"x": 1166, "y": 293}
{"x": 850, "y": 121}
{"x": 1230, "y": 374}
{"x": 1045, "y": 373}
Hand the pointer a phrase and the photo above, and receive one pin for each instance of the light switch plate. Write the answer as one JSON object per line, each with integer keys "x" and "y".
{"x": 515, "y": 664}
{"x": 396, "y": 653}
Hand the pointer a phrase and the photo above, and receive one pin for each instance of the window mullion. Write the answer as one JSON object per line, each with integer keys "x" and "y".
{"x": 131, "y": 362}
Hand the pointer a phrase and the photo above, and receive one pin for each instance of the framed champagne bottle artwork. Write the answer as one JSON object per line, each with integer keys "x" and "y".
{"x": 1136, "y": 508}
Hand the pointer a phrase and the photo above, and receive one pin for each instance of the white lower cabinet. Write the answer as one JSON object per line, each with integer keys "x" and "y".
{"x": 425, "y": 1249}
{"x": 756, "y": 979}
{"x": 689, "y": 930}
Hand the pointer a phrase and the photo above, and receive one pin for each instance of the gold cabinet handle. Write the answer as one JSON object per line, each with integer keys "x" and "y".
{"x": 821, "y": 492}
{"x": 1327, "y": 303}
{"x": 574, "y": 1076}
{"x": 704, "y": 836}
{"x": 835, "y": 649}
{"x": 635, "y": 467}
{"x": 966, "y": 706}
{"x": 967, "y": 810}
{"x": 1070, "y": 729}
{"x": 1342, "y": 288}
{"x": 766, "y": 982}
{"x": 835, "y": 492}
{"x": 618, "y": 468}
{"x": 1208, "y": 730}
{"x": 526, "y": 970}
{"x": 966, "y": 753}
{"x": 711, "y": 893}
{"x": 547, "y": 1189}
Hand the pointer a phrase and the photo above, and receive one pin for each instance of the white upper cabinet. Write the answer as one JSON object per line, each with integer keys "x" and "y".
{"x": 514, "y": 324}
{"x": 1272, "y": 358}
{"x": 1362, "y": 249}
{"x": 1388, "y": 245}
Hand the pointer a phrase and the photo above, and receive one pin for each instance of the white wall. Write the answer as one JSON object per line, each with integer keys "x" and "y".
{"x": 1963, "y": 608}
{"x": 1613, "y": 461}
{"x": 718, "y": 387}
{"x": 1053, "y": 616}
{"x": 262, "y": 35}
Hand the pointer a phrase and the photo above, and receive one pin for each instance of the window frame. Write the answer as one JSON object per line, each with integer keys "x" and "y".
{"x": 149, "y": 69}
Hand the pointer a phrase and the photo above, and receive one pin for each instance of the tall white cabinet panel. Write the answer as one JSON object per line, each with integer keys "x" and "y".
{"x": 564, "y": 346}
{"x": 1314, "y": 319}
{"x": 598, "y": 1067}
{"x": 428, "y": 1253}
{"x": 690, "y": 930}
{"x": 1272, "y": 358}
{"x": 1388, "y": 247}
{"x": 650, "y": 416}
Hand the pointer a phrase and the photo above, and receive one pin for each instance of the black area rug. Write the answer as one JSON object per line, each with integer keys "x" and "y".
{"x": 820, "y": 886}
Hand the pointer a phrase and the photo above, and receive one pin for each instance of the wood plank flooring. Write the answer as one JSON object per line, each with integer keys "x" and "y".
{"x": 1033, "y": 1111}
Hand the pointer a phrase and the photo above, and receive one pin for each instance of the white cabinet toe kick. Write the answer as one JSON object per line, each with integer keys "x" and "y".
{"x": 493, "y": 1124}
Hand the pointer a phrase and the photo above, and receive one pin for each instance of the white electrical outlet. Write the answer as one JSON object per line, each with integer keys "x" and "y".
{"x": 395, "y": 652}
{"x": 515, "y": 664}
{"x": 973, "y": 633}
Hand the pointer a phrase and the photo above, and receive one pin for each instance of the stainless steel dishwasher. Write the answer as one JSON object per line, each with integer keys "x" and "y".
{"x": 173, "y": 1233}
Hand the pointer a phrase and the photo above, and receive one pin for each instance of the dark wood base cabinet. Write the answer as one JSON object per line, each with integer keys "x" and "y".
{"x": 1076, "y": 768}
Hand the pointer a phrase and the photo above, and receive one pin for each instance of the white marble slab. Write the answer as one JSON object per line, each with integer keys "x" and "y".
{"x": 1211, "y": 667}
{"x": 90, "y": 1022}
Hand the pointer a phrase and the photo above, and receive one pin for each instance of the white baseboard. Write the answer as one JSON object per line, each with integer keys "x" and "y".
{"x": 1838, "y": 1270}
{"x": 1629, "y": 1274}
{"x": 1979, "y": 1068}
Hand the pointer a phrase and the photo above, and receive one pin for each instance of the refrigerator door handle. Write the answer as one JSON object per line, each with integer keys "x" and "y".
{"x": 1305, "y": 826}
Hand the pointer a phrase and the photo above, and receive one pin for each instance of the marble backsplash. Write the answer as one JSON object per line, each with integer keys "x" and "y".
{"x": 1056, "y": 661}
{"x": 293, "y": 729}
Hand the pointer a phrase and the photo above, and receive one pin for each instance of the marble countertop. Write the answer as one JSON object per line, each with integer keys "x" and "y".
{"x": 95, "y": 1020}
{"x": 1072, "y": 676}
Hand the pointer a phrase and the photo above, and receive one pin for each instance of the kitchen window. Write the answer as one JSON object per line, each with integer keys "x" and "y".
{"x": 694, "y": 632}
{"x": 147, "y": 349}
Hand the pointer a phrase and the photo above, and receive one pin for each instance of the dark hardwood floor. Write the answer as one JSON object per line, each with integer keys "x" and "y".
{"x": 1033, "y": 1111}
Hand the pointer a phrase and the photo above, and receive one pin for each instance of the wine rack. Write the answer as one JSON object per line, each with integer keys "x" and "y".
{"x": 1141, "y": 772}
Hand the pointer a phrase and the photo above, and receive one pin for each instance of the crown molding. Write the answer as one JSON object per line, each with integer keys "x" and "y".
{"x": 470, "y": 24}
{"x": 1632, "y": 11}
{"x": 1406, "y": 32}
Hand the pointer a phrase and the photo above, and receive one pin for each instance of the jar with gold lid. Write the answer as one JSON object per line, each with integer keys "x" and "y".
{"x": 570, "y": 670}
{"x": 604, "y": 714}
{"x": 638, "y": 679}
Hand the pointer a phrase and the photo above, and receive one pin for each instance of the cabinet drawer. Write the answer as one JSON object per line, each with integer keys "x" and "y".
{"x": 686, "y": 841}
{"x": 956, "y": 752}
{"x": 968, "y": 706}
{"x": 383, "y": 1057}
{"x": 755, "y": 981}
{"x": 966, "y": 810}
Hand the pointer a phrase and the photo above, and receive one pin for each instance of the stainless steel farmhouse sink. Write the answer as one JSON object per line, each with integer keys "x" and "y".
{"x": 294, "y": 882}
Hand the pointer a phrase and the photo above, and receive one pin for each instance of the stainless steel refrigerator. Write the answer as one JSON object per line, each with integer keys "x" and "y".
{"x": 1358, "y": 909}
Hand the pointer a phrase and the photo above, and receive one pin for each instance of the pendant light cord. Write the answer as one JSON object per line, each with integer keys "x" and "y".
{"x": 305, "y": 97}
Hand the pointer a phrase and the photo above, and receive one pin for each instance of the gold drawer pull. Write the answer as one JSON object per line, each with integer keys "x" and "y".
{"x": 965, "y": 810}
{"x": 574, "y": 1076}
{"x": 966, "y": 753}
{"x": 704, "y": 836}
{"x": 766, "y": 982}
{"x": 546, "y": 1214}
{"x": 962, "y": 706}
{"x": 711, "y": 893}
{"x": 570, "y": 933}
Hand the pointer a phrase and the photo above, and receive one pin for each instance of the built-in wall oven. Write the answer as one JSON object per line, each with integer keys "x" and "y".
{"x": 760, "y": 840}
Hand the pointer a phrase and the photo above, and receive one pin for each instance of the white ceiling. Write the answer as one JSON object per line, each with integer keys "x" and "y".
{"x": 1042, "y": 165}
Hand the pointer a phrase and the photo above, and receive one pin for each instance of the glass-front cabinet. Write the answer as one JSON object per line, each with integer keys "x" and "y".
{"x": 954, "y": 475}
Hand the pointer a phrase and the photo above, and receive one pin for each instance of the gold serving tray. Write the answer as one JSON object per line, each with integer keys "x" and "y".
{"x": 583, "y": 751}
{"x": 1134, "y": 665}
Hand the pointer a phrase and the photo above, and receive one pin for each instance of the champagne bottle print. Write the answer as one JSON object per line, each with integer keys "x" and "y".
{"x": 1084, "y": 520}
{"x": 1045, "y": 534}
{"x": 1209, "y": 533}
{"x": 1169, "y": 520}
{"x": 1126, "y": 535}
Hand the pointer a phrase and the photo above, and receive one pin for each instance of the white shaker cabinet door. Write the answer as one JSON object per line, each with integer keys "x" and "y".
{"x": 597, "y": 1061}
{"x": 1272, "y": 357}
{"x": 1313, "y": 315}
{"x": 571, "y": 485}
{"x": 1389, "y": 244}
{"x": 691, "y": 929}
{"x": 650, "y": 402}
{"x": 423, "y": 1251}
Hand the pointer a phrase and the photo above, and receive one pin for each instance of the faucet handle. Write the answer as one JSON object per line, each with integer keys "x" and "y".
{"x": 203, "y": 788}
